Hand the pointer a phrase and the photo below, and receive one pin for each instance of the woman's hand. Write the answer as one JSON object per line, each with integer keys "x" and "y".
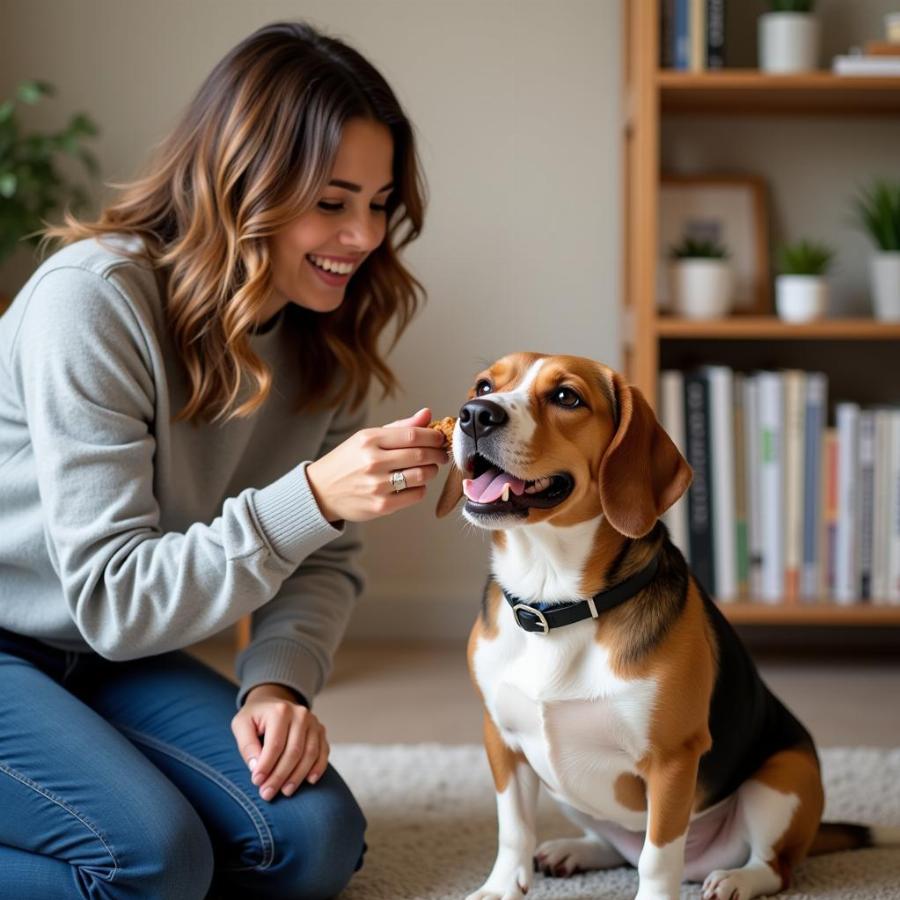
{"x": 294, "y": 746}
{"x": 353, "y": 481}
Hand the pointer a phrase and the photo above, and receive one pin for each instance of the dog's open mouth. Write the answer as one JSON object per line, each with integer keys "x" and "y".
{"x": 492, "y": 490}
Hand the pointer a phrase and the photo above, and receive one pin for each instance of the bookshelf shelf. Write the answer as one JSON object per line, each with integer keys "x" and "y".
{"x": 773, "y": 328}
{"x": 827, "y": 614}
{"x": 750, "y": 92}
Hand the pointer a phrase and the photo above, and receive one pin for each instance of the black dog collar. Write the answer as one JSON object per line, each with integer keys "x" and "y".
{"x": 541, "y": 617}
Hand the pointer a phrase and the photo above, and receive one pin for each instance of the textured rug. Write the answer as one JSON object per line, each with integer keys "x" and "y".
{"x": 432, "y": 829}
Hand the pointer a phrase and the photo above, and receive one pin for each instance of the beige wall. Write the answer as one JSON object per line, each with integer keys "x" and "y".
{"x": 516, "y": 103}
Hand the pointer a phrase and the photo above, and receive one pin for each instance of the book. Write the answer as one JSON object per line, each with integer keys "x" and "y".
{"x": 881, "y": 527}
{"x": 771, "y": 484}
{"x": 715, "y": 34}
{"x": 671, "y": 406}
{"x": 740, "y": 488}
{"x": 722, "y": 480}
{"x": 751, "y": 477}
{"x": 794, "y": 424}
{"x": 893, "y": 536}
{"x": 816, "y": 408}
{"x": 700, "y": 511}
{"x": 681, "y": 35}
{"x": 846, "y": 561}
{"x": 697, "y": 32}
{"x": 866, "y": 501}
{"x": 830, "y": 509}
{"x": 881, "y": 48}
{"x": 884, "y": 66}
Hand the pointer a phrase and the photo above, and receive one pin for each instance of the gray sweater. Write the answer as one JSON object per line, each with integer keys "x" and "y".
{"x": 126, "y": 533}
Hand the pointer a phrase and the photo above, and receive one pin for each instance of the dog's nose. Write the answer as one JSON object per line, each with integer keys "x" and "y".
{"x": 480, "y": 417}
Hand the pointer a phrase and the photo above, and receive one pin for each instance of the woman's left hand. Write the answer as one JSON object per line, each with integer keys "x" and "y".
{"x": 293, "y": 748}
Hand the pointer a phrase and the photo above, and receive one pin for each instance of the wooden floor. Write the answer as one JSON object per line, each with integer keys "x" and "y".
{"x": 414, "y": 692}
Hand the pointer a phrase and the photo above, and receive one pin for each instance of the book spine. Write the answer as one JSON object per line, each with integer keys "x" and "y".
{"x": 721, "y": 403}
{"x": 740, "y": 488}
{"x": 754, "y": 528}
{"x": 771, "y": 436}
{"x": 866, "y": 501}
{"x": 882, "y": 489}
{"x": 893, "y": 587}
{"x": 682, "y": 35}
{"x": 814, "y": 437}
{"x": 832, "y": 466}
{"x": 667, "y": 34}
{"x": 671, "y": 405}
{"x": 715, "y": 34}
{"x": 698, "y": 35}
{"x": 700, "y": 512}
{"x": 794, "y": 414}
{"x": 846, "y": 564}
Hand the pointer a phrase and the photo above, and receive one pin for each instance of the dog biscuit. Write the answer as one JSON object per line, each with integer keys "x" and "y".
{"x": 445, "y": 427}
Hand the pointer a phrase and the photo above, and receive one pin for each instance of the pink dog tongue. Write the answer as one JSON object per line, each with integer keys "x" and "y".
{"x": 489, "y": 487}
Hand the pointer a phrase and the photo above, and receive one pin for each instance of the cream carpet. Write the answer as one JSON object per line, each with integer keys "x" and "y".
{"x": 432, "y": 829}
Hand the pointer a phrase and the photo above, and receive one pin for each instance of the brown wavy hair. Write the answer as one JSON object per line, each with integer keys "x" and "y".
{"x": 253, "y": 151}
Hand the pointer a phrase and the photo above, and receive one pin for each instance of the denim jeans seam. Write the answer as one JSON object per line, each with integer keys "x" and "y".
{"x": 40, "y": 789}
{"x": 262, "y": 828}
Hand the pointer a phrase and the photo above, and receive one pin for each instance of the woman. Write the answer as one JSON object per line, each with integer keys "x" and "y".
{"x": 181, "y": 444}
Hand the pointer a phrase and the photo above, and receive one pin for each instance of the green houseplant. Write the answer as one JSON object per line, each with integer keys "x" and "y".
{"x": 701, "y": 279}
{"x": 801, "y": 288}
{"x": 31, "y": 186}
{"x": 878, "y": 214}
{"x": 789, "y": 37}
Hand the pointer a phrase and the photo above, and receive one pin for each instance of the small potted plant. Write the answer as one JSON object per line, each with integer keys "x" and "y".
{"x": 789, "y": 37}
{"x": 701, "y": 278}
{"x": 878, "y": 213}
{"x": 30, "y": 186}
{"x": 801, "y": 290}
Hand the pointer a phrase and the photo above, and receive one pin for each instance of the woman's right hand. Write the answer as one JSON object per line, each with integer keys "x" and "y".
{"x": 353, "y": 481}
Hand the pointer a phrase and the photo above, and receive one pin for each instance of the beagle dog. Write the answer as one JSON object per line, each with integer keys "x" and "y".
{"x": 606, "y": 672}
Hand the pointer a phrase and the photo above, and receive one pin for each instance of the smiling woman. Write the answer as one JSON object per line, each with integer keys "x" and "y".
{"x": 182, "y": 445}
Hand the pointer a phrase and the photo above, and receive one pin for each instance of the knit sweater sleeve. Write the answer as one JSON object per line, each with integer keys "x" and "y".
{"x": 295, "y": 635}
{"x": 83, "y": 372}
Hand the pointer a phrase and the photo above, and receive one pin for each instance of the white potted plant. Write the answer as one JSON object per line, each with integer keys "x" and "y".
{"x": 789, "y": 37}
{"x": 878, "y": 212}
{"x": 801, "y": 288}
{"x": 701, "y": 279}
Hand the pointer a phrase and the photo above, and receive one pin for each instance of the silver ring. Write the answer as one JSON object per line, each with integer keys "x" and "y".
{"x": 398, "y": 482}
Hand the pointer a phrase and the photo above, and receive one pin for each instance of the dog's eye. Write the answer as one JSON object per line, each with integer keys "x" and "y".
{"x": 483, "y": 387}
{"x": 568, "y": 398}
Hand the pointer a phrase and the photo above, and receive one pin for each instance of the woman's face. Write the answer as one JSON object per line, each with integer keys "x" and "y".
{"x": 315, "y": 256}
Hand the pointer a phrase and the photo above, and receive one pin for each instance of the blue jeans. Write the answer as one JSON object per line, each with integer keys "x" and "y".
{"x": 123, "y": 780}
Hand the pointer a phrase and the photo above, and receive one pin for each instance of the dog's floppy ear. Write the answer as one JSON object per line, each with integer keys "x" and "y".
{"x": 452, "y": 492}
{"x": 642, "y": 473}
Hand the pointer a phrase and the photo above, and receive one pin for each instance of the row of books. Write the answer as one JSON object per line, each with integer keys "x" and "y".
{"x": 878, "y": 58}
{"x": 692, "y": 34}
{"x": 784, "y": 508}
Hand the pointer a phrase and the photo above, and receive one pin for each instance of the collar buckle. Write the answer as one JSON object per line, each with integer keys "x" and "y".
{"x": 528, "y": 624}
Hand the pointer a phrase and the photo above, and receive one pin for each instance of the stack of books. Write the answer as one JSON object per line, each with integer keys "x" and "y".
{"x": 784, "y": 509}
{"x": 692, "y": 34}
{"x": 879, "y": 58}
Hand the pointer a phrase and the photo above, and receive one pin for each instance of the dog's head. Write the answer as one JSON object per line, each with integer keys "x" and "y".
{"x": 560, "y": 439}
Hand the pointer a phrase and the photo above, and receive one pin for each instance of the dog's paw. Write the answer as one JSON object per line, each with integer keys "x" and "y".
{"x": 725, "y": 885}
{"x": 514, "y": 887}
{"x": 567, "y": 856}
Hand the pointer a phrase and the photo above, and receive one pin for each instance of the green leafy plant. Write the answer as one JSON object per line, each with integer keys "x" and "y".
{"x": 31, "y": 187}
{"x": 692, "y": 248}
{"x": 878, "y": 213}
{"x": 792, "y": 6}
{"x": 805, "y": 258}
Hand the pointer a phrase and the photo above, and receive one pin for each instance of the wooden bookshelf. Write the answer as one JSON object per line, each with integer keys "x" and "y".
{"x": 749, "y": 92}
{"x": 744, "y": 612}
{"x": 650, "y": 95}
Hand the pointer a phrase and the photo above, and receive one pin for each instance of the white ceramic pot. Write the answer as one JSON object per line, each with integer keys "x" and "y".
{"x": 788, "y": 42}
{"x": 701, "y": 288}
{"x": 884, "y": 273}
{"x": 801, "y": 298}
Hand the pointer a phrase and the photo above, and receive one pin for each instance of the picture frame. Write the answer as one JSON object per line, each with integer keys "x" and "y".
{"x": 729, "y": 209}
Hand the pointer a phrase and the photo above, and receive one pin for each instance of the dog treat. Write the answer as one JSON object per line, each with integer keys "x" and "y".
{"x": 445, "y": 427}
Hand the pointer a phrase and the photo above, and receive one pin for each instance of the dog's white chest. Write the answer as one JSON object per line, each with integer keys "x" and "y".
{"x": 580, "y": 728}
